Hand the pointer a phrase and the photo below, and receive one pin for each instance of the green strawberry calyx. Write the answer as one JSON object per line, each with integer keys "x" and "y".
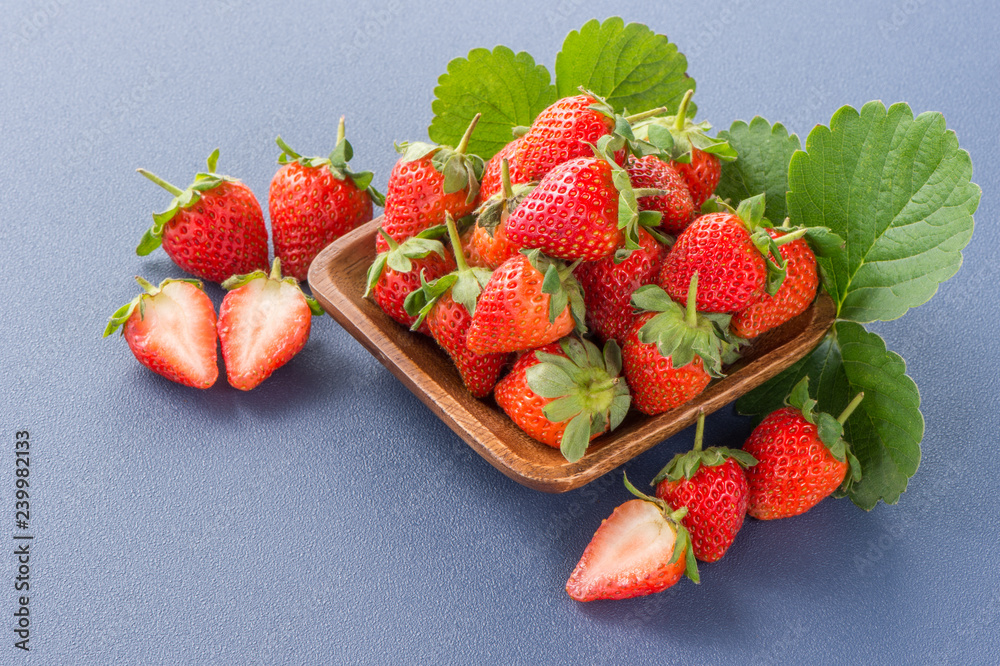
{"x": 275, "y": 277}
{"x": 675, "y": 137}
{"x": 673, "y": 517}
{"x": 562, "y": 287}
{"x": 492, "y": 212}
{"x": 686, "y": 465}
{"x": 829, "y": 429}
{"x": 586, "y": 390}
{"x": 335, "y": 163}
{"x": 183, "y": 199}
{"x": 122, "y": 314}
{"x": 465, "y": 283}
{"x": 630, "y": 218}
{"x": 680, "y": 333}
{"x": 461, "y": 170}
{"x": 399, "y": 256}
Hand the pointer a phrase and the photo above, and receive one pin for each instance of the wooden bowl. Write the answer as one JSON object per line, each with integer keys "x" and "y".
{"x": 337, "y": 279}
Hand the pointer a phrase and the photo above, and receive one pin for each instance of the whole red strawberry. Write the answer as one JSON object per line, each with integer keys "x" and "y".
{"x": 797, "y": 291}
{"x": 802, "y": 457}
{"x": 696, "y": 156}
{"x": 489, "y": 239}
{"x": 727, "y": 250}
{"x": 712, "y": 485}
{"x": 492, "y": 183}
{"x": 403, "y": 268}
{"x": 529, "y": 301}
{"x": 171, "y": 330}
{"x": 264, "y": 321}
{"x": 563, "y": 131}
{"x": 608, "y": 285}
{"x": 427, "y": 182}
{"x": 214, "y": 229}
{"x": 670, "y": 353}
{"x": 446, "y": 306}
{"x": 565, "y": 394}
{"x": 642, "y": 548}
{"x": 675, "y": 205}
{"x": 314, "y": 201}
{"x": 572, "y": 214}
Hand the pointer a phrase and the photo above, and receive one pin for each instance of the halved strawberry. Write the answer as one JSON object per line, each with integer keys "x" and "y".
{"x": 263, "y": 322}
{"x": 642, "y": 548}
{"x": 171, "y": 330}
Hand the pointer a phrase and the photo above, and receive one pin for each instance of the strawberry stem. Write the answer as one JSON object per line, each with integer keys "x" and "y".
{"x": 508, "y": 189}
{"x": 699, "y": 432}
{"x": 682, "y": 110}
{"x": 846, "y": 414}
{"x": 464, "y": 143}
{"x": 340, "y": 131}
{"x": 788, "y": 238}
{"x": 286, "y": 149}
{"x": 173, "y": 189}
{"x": 691, "y": 311}
{"x": 636, "y": 117}
{"x": 146, "y": 285}
{"x": 456, "y": 243}
{"x": 276, "y": 269}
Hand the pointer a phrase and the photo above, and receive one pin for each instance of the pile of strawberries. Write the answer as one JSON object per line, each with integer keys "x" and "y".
{"x": 214, "y": 230}
{"x": 587, "y": 260}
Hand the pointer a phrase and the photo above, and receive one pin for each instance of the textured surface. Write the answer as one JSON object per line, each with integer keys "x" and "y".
{"x": 326, "y": 517}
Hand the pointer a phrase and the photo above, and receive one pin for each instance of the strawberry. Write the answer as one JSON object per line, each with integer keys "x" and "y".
{"x": 802, "y": 457}
{"x": 565, "y": 394}
{"x": 315, "y": 200}
{"x": 642, "y": 548}
{"x": 563, "y": 131}
{"x": 171, "y": 330}
{"x": 696, "y": 156}
{"x": 213, "y": 229}
{"x": 489, "y": 238}
{"x": 264, "y": 321}
{"x": 670, "y": 353}
{"x": 608, "y": 285}
{"x": 447, "y": 304}
{"x": 712, "y": 485}
{"x": 402, "y": 268}
{"x": 428, "y": 181}
{"x": 492, "y": 183}
{"x": 583, "y": 208}
{"x": 727, "y": 250}
{"x": 529, "y": 301}
{"x": 797, "y": 291}
{"x": 675, "y": 204}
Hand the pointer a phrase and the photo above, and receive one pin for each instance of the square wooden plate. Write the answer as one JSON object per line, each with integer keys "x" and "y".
{"x": 337, "y": 279}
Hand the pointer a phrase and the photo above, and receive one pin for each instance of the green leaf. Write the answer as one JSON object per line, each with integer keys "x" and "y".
{"x": 575, "y": 437}
{"x": 884, "y": 432}
{"x": 764, "y": 153}
{"x": 631, "y": 66}
{"x": 898, "y": 190}
{"x": 508, "y": 89}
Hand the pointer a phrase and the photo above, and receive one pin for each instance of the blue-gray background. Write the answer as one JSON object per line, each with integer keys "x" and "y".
{"x": 328, "y": 517}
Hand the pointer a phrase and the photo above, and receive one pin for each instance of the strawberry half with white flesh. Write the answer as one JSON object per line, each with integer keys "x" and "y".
{"x": 642, "y": 548}
{"x": 264, "y": 321}
{"x": 171, "y": 330}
